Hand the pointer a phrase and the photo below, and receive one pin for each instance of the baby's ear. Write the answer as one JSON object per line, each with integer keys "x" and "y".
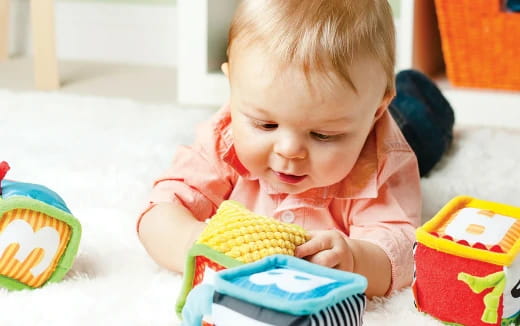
{"x": 225, "y": 69}
{"x": 385, "y": 102}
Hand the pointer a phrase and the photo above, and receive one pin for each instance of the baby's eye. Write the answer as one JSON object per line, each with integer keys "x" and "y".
{"x": 266, "y": 126}
{"x": 322, "y": 137}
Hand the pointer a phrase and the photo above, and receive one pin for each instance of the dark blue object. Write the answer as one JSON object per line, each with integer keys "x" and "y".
{"x": 513, "y": 5}
{"x": 424, "y": 116}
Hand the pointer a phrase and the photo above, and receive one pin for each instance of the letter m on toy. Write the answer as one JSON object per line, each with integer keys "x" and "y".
{"x": 46, "y": 238}
{"x": 31, "y": 244}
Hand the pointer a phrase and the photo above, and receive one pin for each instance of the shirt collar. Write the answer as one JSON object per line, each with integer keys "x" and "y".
{"x": 228, "y": 153}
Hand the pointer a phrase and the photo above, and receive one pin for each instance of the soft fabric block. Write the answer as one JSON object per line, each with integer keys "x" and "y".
{"x": 39, "y": 236}
{"x": 466, "y": 264}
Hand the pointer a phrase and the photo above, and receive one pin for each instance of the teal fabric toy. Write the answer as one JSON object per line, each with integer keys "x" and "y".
{"x": 39, "y": 237}
{"x": 277, "y": 290}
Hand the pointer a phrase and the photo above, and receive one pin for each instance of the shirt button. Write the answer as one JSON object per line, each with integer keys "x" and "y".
{"x": 288, "y": 217}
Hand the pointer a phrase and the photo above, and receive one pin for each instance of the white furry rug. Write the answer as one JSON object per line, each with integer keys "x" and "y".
{"x": 101, "y": 156}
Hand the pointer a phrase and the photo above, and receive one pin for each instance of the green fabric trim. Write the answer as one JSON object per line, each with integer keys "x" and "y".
{"x": 511, "y": 321}
{"x": 71, "y": 249}
{"x": 189, "y": 270}
{"x": 497, "y": 281}
{"x": 451, "y": 324}
{"x": 12, "y": 284}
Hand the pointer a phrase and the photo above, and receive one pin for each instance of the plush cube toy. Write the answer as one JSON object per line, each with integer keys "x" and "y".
{"x": 278, "y": 290}
{"x": 234, "y": 236}
{"x": 39, "y": 237}
{"x": 467, "y": 269}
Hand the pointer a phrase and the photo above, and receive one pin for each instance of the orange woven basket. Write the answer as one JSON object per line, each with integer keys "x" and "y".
{"x": 480, "y": 43}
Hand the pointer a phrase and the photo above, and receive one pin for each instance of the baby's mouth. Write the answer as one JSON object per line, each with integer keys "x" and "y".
{"x": 289, "y": 178}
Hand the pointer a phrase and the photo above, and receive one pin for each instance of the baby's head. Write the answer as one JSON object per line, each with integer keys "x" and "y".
{"x": 308, "y": 80}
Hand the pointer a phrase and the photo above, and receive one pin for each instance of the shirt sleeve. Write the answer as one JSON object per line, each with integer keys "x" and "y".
{"x": 198, "y": 178}
{"x": 390, "y": 220}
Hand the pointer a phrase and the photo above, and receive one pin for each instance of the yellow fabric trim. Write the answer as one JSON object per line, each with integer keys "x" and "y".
{"x": 424, "y": 237}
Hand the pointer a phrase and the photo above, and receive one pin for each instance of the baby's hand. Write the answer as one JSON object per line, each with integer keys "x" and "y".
{"x": 329, "y": 248}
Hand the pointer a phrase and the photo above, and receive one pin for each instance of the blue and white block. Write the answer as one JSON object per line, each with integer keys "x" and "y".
{"x": 279, "y": 290}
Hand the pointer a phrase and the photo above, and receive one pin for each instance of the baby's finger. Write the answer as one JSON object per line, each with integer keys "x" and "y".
{"x": 316, "y": 244}
{"x": 324, "y": 258}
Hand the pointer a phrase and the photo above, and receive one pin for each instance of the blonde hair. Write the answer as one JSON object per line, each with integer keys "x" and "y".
{"x": 320, "y": 35}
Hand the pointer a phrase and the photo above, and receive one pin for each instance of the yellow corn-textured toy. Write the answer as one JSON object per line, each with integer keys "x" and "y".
{"x": 233, "y": 236}
{"x": 248, "y": 237}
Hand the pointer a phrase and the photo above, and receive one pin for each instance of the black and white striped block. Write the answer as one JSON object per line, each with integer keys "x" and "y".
{"x": 283, "y": 290}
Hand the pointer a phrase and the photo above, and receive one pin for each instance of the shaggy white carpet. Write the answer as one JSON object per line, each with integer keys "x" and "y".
{"x": 101, "y": 156}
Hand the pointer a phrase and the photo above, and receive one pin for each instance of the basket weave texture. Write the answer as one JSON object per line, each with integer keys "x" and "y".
{"x": 480, "y": 43}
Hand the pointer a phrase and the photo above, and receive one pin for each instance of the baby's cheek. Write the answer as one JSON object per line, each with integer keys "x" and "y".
{"x": 332, "y": 169}
{"x": 250, "y": 154}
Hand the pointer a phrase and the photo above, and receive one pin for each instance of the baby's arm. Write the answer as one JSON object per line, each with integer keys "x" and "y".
{"x": 167, "y": 231}
{"x": 372, "y": 262}
{"x": 186, "y": 194}
{"x": 332, "y": 248}
{"x": 380, "y": 231}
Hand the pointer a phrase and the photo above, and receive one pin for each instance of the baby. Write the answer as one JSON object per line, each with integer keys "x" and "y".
{"x": 305, "y": 138}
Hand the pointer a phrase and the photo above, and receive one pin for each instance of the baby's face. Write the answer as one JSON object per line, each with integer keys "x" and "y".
{"x": 295, "y": 135}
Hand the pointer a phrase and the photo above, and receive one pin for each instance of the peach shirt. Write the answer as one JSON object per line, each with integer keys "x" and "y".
{"x": 378, "y": 201}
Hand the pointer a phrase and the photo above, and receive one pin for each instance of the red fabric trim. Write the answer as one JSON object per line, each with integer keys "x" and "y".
{"x": 4, "y": 167}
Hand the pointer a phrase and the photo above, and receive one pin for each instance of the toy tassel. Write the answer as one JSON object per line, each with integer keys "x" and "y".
{"x": 4, "y": 167}
{"x": 496, "y": 281}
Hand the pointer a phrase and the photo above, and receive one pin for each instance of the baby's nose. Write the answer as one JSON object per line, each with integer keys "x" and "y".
{"x": 291, "y": 148}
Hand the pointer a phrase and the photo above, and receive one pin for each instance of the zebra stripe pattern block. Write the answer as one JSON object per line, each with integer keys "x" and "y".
{"x": 349, "y": 312}
{"x": 284, "y": 290}
{"x": 230, "y": 311}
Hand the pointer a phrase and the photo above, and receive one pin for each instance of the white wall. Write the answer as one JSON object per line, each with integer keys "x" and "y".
{"x": 136, "y": 32}
{"x": 96, "y": 31}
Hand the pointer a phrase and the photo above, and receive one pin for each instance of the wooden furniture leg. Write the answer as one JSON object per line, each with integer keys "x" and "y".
{"x": 44, "y": 45}
{"x": 4, "y": 29}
